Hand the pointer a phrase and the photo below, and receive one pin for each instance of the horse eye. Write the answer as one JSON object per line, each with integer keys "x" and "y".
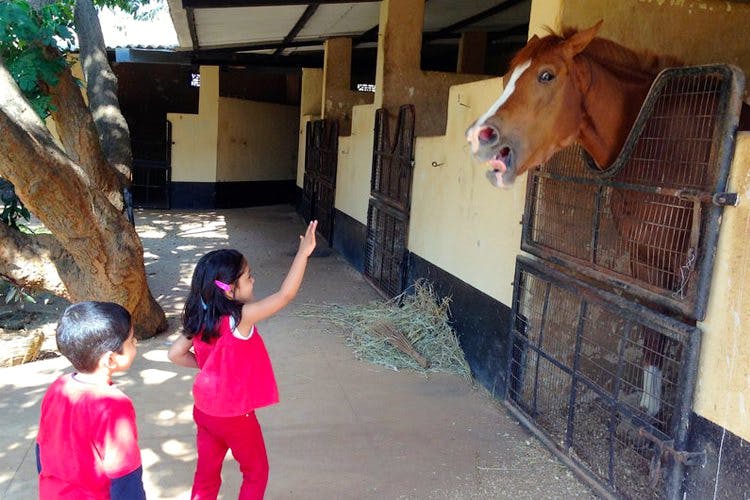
{"x": 546, "y": 77}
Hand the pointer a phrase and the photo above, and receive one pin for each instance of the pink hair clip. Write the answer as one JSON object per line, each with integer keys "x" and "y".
{"x": 223, "y": 285}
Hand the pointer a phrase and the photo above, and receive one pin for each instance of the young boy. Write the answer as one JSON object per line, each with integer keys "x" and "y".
{"x": 87, "y": 445}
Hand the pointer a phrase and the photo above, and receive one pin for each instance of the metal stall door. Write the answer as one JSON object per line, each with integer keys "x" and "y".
{"x": 319, "y": 181}
{"x": 642, "y": 236}
{"x": 152, "y": 171}
{"x": 390, "y": 202}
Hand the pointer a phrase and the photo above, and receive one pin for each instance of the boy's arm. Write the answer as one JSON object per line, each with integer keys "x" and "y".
{"x": 128, "y": 487}
{"x": 117, "y": 441}
{"x": 180, "y": 353}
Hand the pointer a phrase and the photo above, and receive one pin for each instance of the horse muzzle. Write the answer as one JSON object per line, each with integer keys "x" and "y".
{"x": 486, "y": 146}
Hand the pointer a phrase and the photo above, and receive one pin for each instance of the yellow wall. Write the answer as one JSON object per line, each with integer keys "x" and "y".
{"x": 258, "y": 141}
{"x": 195, "y": 137}
{"x": 723, "y": 390}
{"x": 698, "y": 32}
{"x": 355, "y": 164}
{"x": 459, "y": 221}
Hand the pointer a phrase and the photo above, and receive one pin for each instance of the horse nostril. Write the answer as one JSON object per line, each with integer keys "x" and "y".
{"x": 487, "y": 135}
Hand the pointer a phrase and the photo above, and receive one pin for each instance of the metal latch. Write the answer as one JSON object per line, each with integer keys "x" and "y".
{"x": 718, "y": 199}
{"x": 726, "y": 199}
{"x": 666, "y": 448}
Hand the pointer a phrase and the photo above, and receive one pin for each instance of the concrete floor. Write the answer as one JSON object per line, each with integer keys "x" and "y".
{"x": 344, "y": 429}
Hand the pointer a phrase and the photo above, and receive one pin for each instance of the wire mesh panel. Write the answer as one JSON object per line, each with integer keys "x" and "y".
{"x": 385, "y": 253}
{"x": 577, "y": 371}
{"x": 390, "y": 201}
{"x": 649, "y": 223}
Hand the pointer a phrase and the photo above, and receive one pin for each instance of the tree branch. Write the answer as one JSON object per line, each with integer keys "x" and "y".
{"x": 101, "y": 85}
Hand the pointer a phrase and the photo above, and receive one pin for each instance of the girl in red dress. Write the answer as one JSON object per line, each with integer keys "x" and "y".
{"x": 221, "y": 339}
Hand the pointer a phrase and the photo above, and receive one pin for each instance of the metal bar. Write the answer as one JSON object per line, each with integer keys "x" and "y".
{"x": 191, "y": 27}
{"x": 681, "y": 194}
{"x": 597, "y": 224}
{"x": 580, "y": 472}
{"x": 503, "y": 6}
{"x": 542, "y": 322}
{"x": 301, "y": 22}
{"x": 616, "y": 394}
{"x": 610, "y": 301}
{"x": 681, "y": 415}
{"x": 574, "y": 375}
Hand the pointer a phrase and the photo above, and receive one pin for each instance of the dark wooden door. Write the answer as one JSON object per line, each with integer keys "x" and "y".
{"x": 390, "y": 201}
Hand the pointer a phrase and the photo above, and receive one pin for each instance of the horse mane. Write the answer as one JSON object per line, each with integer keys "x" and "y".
{"x": 613, "y": 56}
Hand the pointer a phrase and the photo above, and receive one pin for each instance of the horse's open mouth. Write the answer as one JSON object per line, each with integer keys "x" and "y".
{"x": 502, "y": 172}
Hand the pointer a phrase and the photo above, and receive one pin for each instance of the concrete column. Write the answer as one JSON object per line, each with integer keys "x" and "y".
{"x": 337, "y": 76}
{"x": 472, "y": 49}
{"x": 399, "y": 51}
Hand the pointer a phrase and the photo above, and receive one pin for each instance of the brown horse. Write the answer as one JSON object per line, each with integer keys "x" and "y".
{"x": 577, "y": 88}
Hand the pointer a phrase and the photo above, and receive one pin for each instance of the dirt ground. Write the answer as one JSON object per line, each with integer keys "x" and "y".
{"x": 344, "y": 429}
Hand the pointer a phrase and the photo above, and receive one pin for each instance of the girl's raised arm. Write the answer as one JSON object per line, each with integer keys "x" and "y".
{"x": 256, "y": 311}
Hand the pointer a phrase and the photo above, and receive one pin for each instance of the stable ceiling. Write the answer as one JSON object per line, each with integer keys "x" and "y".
{"x": 292, "y": 32}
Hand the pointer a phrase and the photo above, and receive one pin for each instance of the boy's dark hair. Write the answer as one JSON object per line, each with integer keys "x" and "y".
{"x": 206, "y": 303}
{"x": 89, "y": 329}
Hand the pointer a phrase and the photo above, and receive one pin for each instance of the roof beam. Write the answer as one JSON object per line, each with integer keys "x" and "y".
{"x": 301, "y": 22}
{"x": 217, "y": 4}
{"x": 507, "y": 4}
{"x": 191, "y": 26}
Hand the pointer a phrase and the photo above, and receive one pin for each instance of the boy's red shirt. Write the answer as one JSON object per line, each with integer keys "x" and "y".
{"x": 87, "y": 437}
{"x": 236, "y": 375}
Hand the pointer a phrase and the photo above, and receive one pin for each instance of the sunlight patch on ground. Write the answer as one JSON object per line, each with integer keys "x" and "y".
{"x": 216, "y": 228}
{"x": 177, "y": 448}
{"x": 154, "y": 376}
{"x": 166, "y": 415}
{"x": 151, "y": 233}
{"x": 156, "y": 355}
{"x": 148, "y": 458}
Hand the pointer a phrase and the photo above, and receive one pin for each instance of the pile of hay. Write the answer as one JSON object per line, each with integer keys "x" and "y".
{"x": 418, "y": 314}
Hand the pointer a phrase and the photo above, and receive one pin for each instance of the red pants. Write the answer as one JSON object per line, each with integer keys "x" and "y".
{"x": 243, "y": 436}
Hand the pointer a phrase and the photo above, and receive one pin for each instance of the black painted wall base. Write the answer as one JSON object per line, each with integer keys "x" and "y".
{"x": 482, "y": 323}
{"x": 727, "y": 469}
{"x": 349, "y": 237}
{"x": 231, "y": 194}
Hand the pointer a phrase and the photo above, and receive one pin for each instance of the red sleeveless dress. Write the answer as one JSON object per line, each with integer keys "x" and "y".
{"x": 236, "y": 375}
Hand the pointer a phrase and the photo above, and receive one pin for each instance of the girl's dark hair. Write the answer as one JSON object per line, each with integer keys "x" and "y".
{"x": 206, "y": 303}
{"x": 89, "y": 329}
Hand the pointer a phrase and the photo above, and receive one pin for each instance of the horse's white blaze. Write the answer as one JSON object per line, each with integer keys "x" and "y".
{"x": 473, "y": 133}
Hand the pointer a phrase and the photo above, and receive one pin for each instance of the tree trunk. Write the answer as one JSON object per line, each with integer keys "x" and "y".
{"x": 79, "y": 136}
{"x": 28, "y": 261}
{"x": 101, "y": 85}
{"x": 101, "y": 242}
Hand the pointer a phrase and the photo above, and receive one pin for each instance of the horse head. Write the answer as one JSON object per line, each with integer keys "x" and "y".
{"x": 540, "y": 110}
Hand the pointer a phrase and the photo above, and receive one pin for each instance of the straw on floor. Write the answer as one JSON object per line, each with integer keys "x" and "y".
{"x": 418, "y": 315}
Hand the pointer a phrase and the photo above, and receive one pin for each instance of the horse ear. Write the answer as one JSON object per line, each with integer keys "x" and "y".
{"x": 577, "y": 43}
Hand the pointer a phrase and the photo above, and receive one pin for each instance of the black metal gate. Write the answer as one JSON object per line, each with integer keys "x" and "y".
{"x": 319, "y": 182}
{"x": 583, "y": 354}
{"x": 390, "y": 201}
{"x": 152, "y": 171}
